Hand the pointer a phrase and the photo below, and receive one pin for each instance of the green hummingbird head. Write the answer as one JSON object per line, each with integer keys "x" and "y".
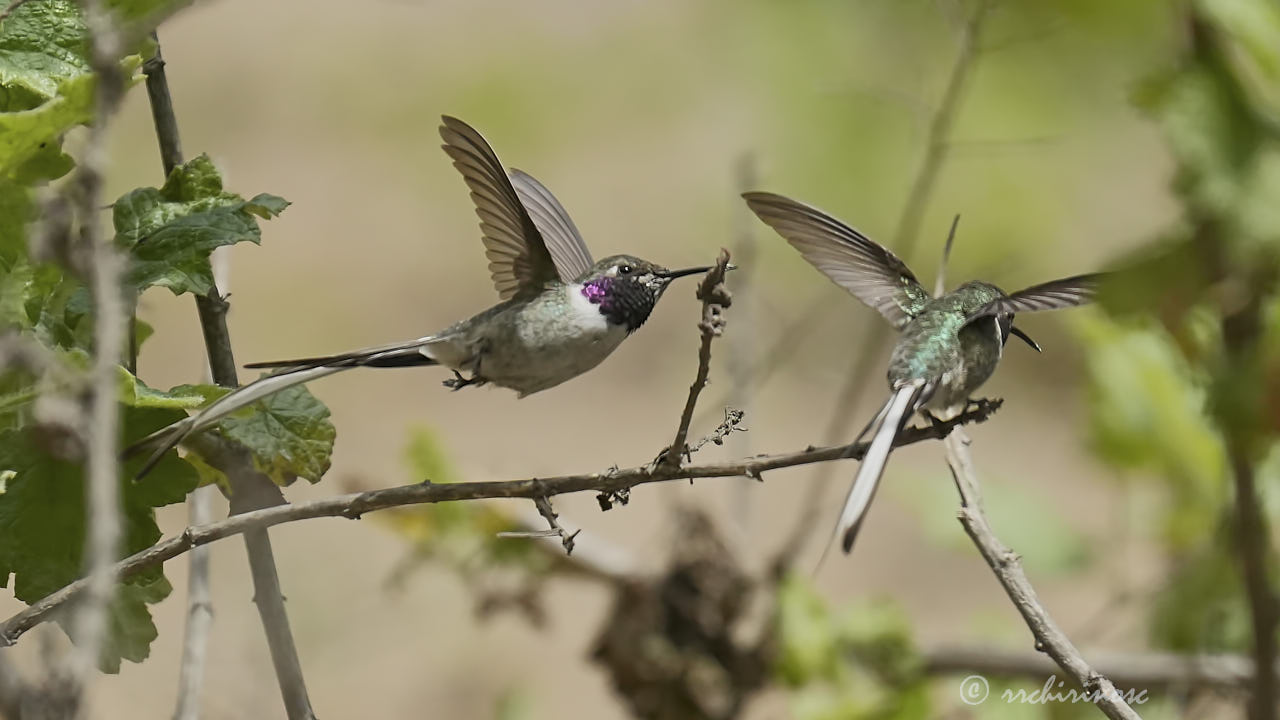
{"x": 974, "y": 294}
{"x": 627, "y": 287}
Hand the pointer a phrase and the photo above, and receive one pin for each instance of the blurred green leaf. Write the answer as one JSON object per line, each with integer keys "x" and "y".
{"x": 1250, "y": 31}
{"x": 171, "y": 231}
{"x": 1201, "y": 607}
{"x": 1025, "y": 520}
{"x": 1149, "y": 413}
{"x": 42, "y": 526}
{"x": 857, "y": 662}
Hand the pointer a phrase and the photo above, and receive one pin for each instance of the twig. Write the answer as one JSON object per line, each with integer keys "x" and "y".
{"x": 566, "y": 537}
{"x": 732, "y": 423}
{"x": 1241, "y": 330}
{"x": 1007, "y": 567}
{"x": 251, "y": 490}
{"x": 195, "y": 640}
{"x": 1151, "y": 671}
{"x": 715, "y": 298}
{"x": 105, "y": 268}
{"x": 353, "y": 505}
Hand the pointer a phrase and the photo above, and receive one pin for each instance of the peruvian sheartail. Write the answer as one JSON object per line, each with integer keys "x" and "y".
{"x": 561, "y": 313}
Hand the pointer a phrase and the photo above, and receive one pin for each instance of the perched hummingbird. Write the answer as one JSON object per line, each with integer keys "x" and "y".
{"x": 948, "y": 346}
{"x": 561, "y": 313}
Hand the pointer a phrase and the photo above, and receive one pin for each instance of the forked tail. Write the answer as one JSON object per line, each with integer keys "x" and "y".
{"x": 884, "y": 428}
{"x": 295, "y": 372}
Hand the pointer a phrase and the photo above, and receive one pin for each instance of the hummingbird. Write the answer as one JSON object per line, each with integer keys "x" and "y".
{"x": 561, "y": 313}
{"x": 947, "y": 347}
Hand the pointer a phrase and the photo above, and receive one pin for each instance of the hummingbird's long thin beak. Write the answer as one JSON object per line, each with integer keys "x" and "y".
{"x": 673, "y": 274}
{"x": 1025, "y": 338}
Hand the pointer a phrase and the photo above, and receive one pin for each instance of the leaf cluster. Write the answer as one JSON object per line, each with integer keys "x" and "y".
{"x": 168, "y": 234}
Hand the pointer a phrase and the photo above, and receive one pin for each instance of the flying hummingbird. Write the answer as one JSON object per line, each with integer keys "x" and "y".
{"x": 561, "y": 313}
{"x": 947, "y": 346}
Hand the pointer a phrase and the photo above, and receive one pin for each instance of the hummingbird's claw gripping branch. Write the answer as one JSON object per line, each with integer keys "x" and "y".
{"x": 715, "y": 297}
{"x": 457, "y": 382}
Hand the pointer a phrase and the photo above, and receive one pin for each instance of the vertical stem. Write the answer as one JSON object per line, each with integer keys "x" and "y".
{"x": 250, "y": 490}
{"x": 105, "y": 269}
{"x": 195, "y": 642}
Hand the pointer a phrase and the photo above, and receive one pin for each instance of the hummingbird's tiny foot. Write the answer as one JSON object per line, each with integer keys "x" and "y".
{"x": 457, "y": 382}
{"x": 934, "y": 422}
{"x": 982, "y": 404}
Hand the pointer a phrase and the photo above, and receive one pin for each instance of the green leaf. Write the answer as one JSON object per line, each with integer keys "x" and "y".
{"x": 42, "y": 45}
{"x": 171, "y": 231}
{"x": 1250, "y": 31}
{"x": 135, "y": 393}
{"x": 289, "y": 434}
{"x": 30, "y": 140}
{"x": 42, "y": 526}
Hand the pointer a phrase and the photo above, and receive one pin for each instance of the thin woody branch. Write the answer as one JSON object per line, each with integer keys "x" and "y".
{"x": 354, "y": 505}
{"x": 715, "y": 298}
{"x": 1007, "y": 567}
{"x": 251, "y": 490}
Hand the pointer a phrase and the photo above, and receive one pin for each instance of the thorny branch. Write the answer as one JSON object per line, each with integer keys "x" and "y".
{"x": 1007, "y": 567}
{"x": 553, "y": 521}
{"x": 353, "y": 505}
{"x": 715, "y": 298}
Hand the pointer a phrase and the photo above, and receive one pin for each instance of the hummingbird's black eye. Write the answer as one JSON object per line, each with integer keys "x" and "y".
{"x": 624, "y": 269}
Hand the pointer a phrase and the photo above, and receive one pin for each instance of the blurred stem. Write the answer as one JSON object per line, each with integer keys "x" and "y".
{"x": 195, "y": 642}
{"x": 250, "y": 490}
{"x": 98, "y": 253}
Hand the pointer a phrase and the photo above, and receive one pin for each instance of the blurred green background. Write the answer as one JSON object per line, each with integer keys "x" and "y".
{"x": 636, "y": 114}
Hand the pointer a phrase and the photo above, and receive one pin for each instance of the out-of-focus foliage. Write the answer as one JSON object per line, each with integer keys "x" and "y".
{"x": 462, "y": 536}
{"x": 1183, "y": 370}
{"x": 858, "y": 662}
{"x": 1048, "y": 545}
{"x": 46, "y": 89}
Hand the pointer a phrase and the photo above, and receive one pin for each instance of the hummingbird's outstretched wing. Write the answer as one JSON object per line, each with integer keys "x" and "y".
{"x": 292, "y": 372}
{"x": 853, "y": 261}
{"x": 563, "y": 240}
{"x": 1053, "y": 295}
{"x": 520, "y": 262}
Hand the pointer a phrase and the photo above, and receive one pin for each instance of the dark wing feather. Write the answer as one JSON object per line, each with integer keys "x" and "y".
{"x": 518, "y": 259}
{"x": 568, "y": 249}
{"x": 874, "y": 275}
{"x": 1053, "y": 295}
